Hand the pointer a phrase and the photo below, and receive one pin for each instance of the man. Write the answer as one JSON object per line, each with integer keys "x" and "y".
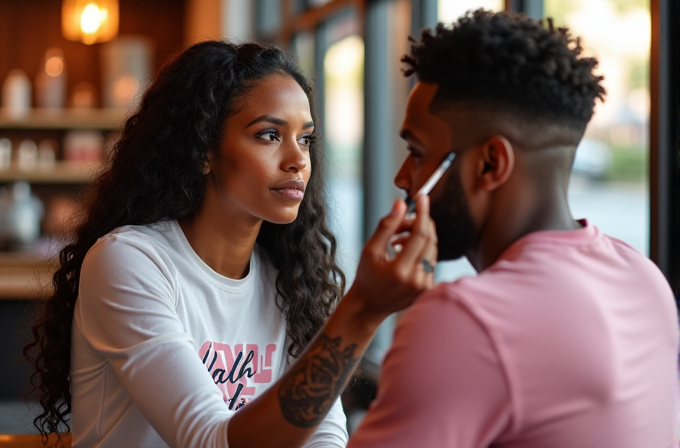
{"x": 567, "y": 337}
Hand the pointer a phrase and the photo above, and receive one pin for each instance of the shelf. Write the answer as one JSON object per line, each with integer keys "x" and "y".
{"x": 60, "y": 173}
{"x": 40, "y": 119}
{"x": 24, "y": 276}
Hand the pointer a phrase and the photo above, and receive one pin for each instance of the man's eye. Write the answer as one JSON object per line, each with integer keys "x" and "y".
{"x": 271, "y": 135}
{"x": 414, "y": 152}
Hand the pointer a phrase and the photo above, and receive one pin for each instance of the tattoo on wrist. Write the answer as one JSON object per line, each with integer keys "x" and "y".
{"x": 316, "y": 381}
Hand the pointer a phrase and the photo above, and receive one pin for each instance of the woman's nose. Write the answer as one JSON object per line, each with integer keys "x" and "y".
{"x": 295, "y": 160}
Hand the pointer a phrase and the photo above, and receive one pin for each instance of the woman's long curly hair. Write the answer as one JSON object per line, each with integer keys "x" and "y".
{"x": 155, "y": 173}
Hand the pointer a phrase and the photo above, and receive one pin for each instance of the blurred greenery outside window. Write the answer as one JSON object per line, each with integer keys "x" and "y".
{"x": 609, "y": 185}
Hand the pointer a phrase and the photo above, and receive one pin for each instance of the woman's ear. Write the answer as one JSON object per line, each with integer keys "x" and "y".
{"x": 207, "y": 164}
{"x": 498, "y": 157}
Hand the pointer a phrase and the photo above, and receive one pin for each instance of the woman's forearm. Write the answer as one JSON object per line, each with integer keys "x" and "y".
{"x": 287, "y": 414}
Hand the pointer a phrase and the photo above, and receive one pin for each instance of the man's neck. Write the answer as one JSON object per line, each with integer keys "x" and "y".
{"x": 505, "y": 225}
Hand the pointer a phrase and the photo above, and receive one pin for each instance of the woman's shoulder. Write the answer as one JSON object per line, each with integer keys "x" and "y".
{"x": 159, "y": 233}
{"x": 127, "y": 244}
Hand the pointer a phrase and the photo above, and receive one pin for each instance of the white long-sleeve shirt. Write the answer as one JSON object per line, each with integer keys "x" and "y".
{"x": 163, "y": 346}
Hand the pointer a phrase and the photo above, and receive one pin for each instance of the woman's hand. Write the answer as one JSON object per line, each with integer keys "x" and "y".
{"x": 383, "y": 285}
{"x": 287, "y": 413}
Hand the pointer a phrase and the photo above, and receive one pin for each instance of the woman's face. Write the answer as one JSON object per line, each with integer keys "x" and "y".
{"x": 263, "y": 163}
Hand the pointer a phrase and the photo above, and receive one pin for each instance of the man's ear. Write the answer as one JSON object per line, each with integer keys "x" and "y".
{"x": 498, "y": 157}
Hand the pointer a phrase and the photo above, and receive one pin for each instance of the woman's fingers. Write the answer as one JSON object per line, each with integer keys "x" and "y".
{"x": 386, "y": 285}
{"x": 428, "y": 258}
{"x": 423, "y": 238}
{"x": 387, "y": 227}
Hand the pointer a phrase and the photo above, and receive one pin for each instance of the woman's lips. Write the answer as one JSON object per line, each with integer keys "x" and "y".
{"x": 294, "y": 189}
{"x": 294, "y": 194}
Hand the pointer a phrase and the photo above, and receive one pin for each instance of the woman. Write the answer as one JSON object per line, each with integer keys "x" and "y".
{"x": 203, "y": 265}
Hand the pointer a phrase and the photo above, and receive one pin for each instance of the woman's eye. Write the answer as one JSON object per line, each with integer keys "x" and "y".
{"x": 271, "y": 135}
{"x": 306, "y": 140}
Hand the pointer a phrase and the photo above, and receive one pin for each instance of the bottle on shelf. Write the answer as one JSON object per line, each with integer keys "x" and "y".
{"x": 5, "y": 154}
{"x": 20, "y": 216}
{"x": 16, "y": 94}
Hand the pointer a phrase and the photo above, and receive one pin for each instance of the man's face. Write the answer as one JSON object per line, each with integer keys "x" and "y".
{"x": 429, "y": 140}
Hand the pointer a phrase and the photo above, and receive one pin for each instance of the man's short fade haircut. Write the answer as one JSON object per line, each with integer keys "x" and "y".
{"x": 511, "y": 62}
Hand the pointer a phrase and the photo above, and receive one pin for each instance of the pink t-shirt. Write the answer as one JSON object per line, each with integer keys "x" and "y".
{"x": 568, "y": 341}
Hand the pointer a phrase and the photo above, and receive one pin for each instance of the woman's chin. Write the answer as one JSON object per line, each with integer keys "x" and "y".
{"x": 282, "y": 218}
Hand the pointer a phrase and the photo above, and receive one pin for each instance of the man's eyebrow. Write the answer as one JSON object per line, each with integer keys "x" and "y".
{"x": 277, "y": 121}
{"x": 408, "y": 136}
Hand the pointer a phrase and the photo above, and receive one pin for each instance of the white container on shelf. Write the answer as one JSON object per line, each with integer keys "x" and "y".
{"x": 47, "y": 154}
{"x": 5, "y": 154}
{"x": 20, "y": 216}
{"x": 27, "y": 155}
{"x": 83, "y": 147}
{"x": 50, "y": 81}
{"x": 16, "y": 94}
{"x": 126, "y": 70}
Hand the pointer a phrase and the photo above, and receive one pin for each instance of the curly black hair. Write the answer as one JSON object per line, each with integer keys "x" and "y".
{"x": 156, "y": 173}
{"x": 503, "y": 59}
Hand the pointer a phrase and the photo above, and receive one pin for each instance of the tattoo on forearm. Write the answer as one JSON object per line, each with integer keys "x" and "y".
{"x": 316, "y": 381}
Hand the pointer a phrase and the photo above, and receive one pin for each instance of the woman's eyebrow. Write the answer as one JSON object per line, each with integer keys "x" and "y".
{"x": 268, "y": 119}
{"x": 277, "y": 121}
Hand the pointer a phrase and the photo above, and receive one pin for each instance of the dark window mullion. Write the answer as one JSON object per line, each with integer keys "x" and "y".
{"x": 665, "y": 140}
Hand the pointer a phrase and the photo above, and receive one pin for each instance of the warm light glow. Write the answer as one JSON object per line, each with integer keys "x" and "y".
{"x": 125, "y": 89}
{"x": 54, "y": 66}
{"x": 89, "y": 21}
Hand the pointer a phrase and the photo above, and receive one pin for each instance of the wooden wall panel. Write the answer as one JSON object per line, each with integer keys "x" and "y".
{"x": 29, "y": 27}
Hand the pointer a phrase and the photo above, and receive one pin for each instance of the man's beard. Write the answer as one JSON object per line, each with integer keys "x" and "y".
{"x": 456, "y": 232}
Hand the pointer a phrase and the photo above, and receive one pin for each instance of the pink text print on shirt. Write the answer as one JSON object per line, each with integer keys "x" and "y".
{"x": 233, "y": 368}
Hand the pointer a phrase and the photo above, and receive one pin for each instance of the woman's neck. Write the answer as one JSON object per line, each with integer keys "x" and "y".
{"x": 225, "y": 243}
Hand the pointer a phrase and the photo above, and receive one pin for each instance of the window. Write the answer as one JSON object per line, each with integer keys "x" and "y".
{"x": 450, "y": 10}
{"x": 343, "y": 124}
{"x": 609, "y": 184}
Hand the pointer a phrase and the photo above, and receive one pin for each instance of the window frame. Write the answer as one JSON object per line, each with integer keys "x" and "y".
{"x": 664, "y": 166}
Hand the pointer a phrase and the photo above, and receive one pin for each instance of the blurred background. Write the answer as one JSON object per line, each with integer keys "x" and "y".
{"x": 72, "y": 70}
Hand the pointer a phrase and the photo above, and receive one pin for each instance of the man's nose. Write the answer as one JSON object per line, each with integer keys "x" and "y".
{"x": 402, "y": 180}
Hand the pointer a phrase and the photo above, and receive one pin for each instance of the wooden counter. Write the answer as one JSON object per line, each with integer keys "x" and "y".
{"x": 24, "y": 277}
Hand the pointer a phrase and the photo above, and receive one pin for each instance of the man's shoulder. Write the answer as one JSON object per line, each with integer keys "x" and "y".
{"x": 464, "y": 295}
{"x": 464, "y": 289}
